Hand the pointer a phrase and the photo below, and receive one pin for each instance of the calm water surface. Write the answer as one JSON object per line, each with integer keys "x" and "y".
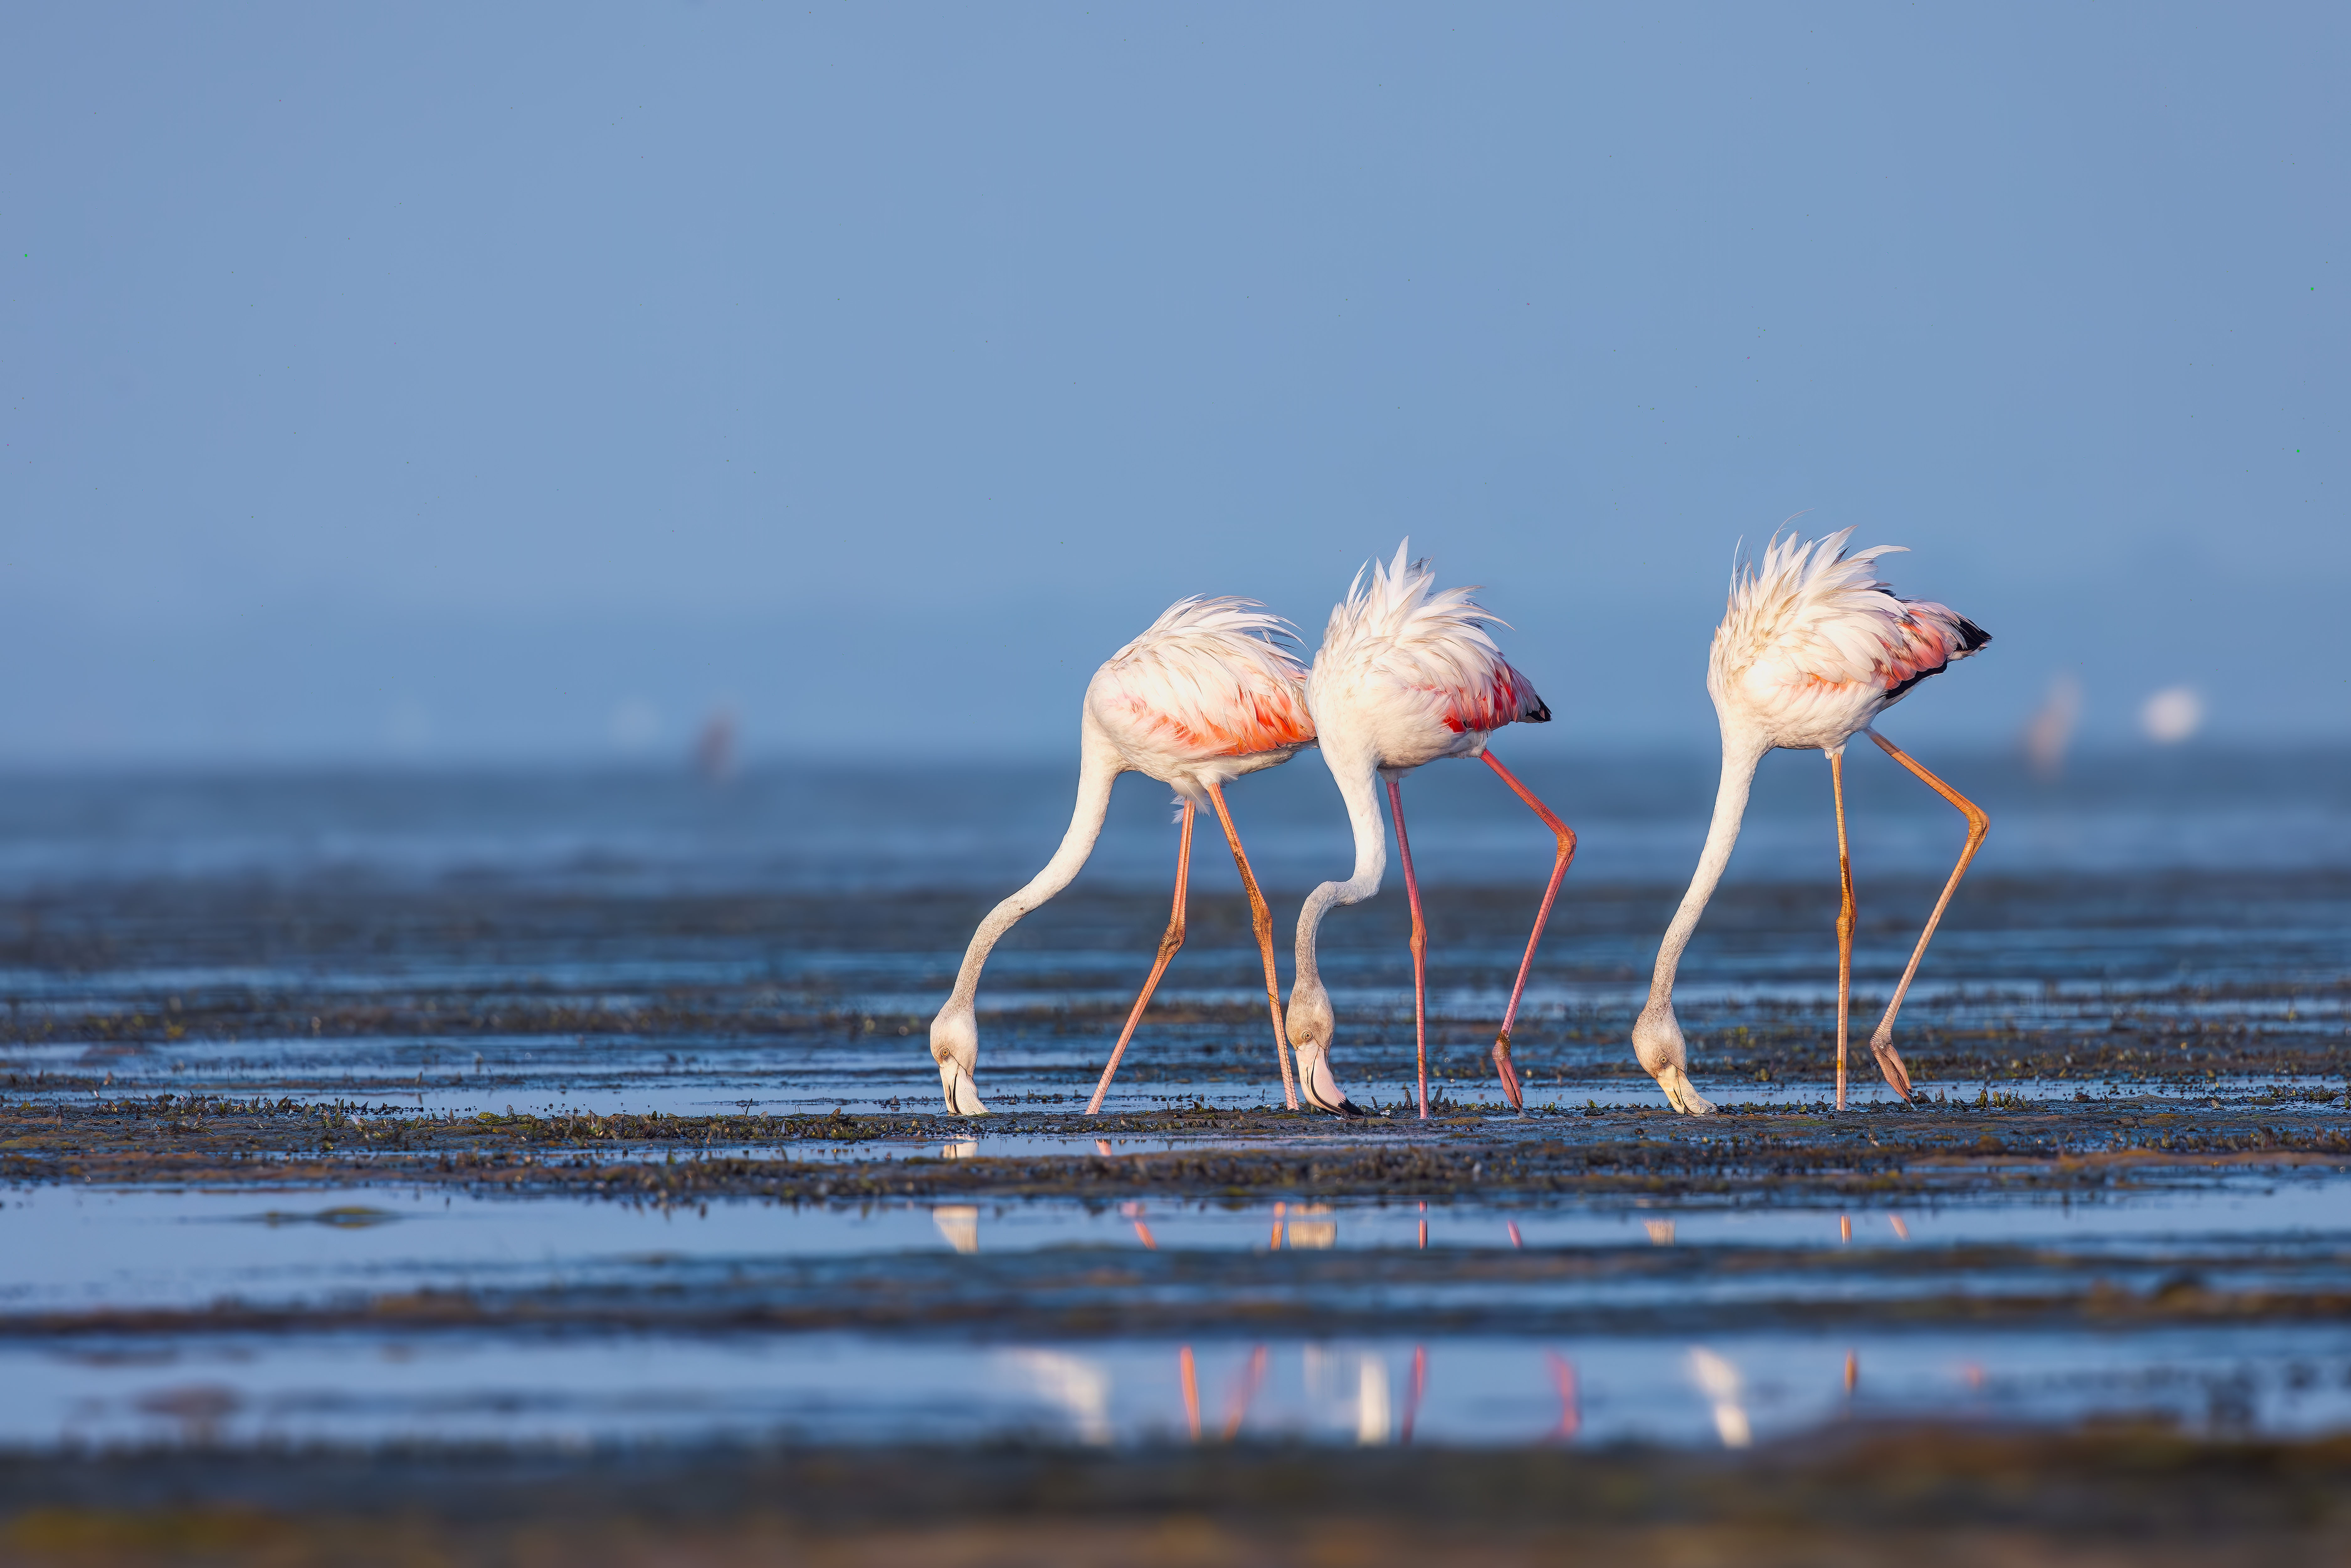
{"x": 776, "y": 944}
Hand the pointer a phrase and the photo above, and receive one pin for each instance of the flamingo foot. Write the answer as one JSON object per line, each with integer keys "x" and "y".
{"x": 1889, "y": 1062}
{"x": 1509, "y": 1074}
{"x": 1682, "y": 1094}
{"x": 962, "y": 1094}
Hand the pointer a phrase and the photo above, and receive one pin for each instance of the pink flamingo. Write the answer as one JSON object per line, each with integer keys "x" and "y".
{"x": 1811, "y": 648}
{"x": 1406, "y": 675}
{"x": 1205, "y": 695}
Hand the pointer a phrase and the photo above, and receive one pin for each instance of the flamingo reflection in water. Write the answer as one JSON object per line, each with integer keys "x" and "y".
{"x": 1350, "y": 1385}
{"x": 1080, "y": 1388}
{"x": 1305, "y": 1227}
{"x": 958, "y": 1225}
{"x": 1571, "y": 1407}
{"x": 1354, "y": 1388}
{"x": 1719, "y": 1381}
{"x": 1245, "y": 1387}
{"x": 1187, "y": 1371}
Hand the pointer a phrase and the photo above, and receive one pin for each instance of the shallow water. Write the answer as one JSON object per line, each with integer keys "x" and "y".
{"x": 129, "y": 1248}
{"x": 443, "y": 947}
{"x": 1721, "y": 1366}
{"x": 1731, "y": 1389}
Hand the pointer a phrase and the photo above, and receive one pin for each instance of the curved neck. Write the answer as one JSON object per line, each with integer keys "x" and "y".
{"x": 1098, "y": 768}
{"x": 1354, "y": 777}
{"x": 1740, "y": 758}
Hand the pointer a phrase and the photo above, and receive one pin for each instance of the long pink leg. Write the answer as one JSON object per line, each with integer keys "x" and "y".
{"x": 1571, "y": 1412}
{"x": 1168, "y": 944}
{"x": 1244, "y": 1390}
{"x": 1844, "y": 921}
{"x": 1890, "y": 1061}
{"x": 1261, "y": 921}
{"x": 1565, "y": 836}
{"x": 1419, "y": 945}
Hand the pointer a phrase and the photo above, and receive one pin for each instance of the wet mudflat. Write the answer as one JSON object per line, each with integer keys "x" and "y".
{"x": 1860, "y": 1494}
{"x": 228, "y": 1273}
{"x": 524, "y": 1183}
{"x": 494, "y": 998}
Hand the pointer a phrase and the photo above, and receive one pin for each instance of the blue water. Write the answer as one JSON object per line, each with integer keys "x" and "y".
{"x": 2186, "y": 902}
{"x": 1641, "y": 819}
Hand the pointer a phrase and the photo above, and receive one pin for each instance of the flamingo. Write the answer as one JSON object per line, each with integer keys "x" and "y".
{"x": 1205, "y": 695}
{"x": 1811, "y": 648}
{"x": 1405, "y": 674}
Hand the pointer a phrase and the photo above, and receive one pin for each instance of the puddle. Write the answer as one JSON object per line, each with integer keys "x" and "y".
{"x": 67, "y": 1249}
{"x": 614, "y": 1323}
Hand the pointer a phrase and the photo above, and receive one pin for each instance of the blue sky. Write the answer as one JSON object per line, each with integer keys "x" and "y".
{"x": 527, "y": 381}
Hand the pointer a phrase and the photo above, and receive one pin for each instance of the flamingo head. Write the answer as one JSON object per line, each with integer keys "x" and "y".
{"x": 1657, "y": 1042}
{"x": 1310, "y": 1025}
{"x": 955, "y": 1046}
{"x": 1310, "y": 1022}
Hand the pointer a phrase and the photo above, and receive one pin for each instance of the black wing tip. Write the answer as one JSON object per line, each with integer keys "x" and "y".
{"x": 1542, "y": 714}
{"x": 1971, "y": 636}
{"x": 1893, "y": 692}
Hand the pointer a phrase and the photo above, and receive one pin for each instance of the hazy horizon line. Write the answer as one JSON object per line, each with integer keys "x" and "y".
{"x": 669, "y": 762}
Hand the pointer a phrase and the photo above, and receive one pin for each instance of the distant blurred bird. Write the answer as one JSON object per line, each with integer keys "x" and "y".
{"x": 2171, "y": 714}
{"x": 1810, "y": 651}
{"x": 714, "y": 748}
{"x": 1405, "y": 674}
{"x": 2050, "y": 730}
{"x": 1207, "y": 694}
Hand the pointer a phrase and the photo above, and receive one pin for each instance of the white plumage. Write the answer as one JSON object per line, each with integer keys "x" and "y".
{"x": 1812, "y": 647}
{"x": 1409, "y": 670}
{"x": 1207, "y": 693}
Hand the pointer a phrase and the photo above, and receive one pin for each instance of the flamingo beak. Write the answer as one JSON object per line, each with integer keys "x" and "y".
{"x": 962, "y": 1094}
{"x": 1683, "y": 1094}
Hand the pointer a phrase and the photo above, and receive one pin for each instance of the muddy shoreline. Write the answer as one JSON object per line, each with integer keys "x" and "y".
{"x": 1874, "y": 1150}
{"x": 1865, "y": 1493}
